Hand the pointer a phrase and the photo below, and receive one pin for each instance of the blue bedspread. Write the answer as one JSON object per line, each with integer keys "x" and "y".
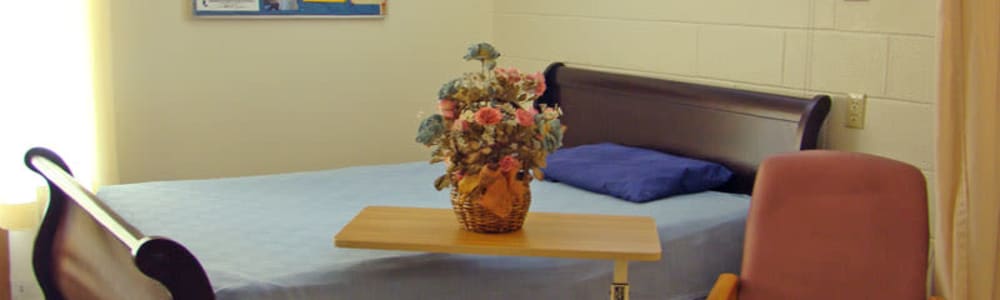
{"x": 271, "y": 237}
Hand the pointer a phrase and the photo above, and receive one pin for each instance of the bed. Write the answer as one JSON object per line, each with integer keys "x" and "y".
{"x": 270, "y": 237}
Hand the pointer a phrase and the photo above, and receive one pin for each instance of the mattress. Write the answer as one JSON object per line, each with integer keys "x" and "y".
{"x": 271, "y": 237}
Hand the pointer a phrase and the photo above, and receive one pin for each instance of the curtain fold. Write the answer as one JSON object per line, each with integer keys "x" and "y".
{"x": 104, "y": 101}
{"x": 968, "y": 146}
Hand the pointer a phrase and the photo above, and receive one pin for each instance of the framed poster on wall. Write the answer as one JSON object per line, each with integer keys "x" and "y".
{"x": 290, "y": 8}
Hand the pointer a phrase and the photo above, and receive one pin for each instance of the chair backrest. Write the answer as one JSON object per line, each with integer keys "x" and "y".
{"x": 836, "y": 225}
{"x": 85, "y": 251}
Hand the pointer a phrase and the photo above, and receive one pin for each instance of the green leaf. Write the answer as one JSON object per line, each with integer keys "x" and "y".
{"x": 468, "y": 183}
{"x": 442, "y": 182}
{"x": 539, "y": 159}
{"x": 538, "y": 173}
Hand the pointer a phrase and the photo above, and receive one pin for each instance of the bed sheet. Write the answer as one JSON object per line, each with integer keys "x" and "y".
{"x": 271, "y": 237}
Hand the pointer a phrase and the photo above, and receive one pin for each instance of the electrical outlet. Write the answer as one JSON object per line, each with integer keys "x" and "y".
{"x": 856, "y": 110}
{"x": 26, "y": 291}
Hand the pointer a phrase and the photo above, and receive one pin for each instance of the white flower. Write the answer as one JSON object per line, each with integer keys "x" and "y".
{"x": 468, "y": 116}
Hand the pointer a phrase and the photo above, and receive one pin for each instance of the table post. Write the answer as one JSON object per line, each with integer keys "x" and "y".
{"x": 619, "y": 285}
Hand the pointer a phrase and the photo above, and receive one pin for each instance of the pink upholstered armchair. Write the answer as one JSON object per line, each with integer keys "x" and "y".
{"x": 833, "y": 225}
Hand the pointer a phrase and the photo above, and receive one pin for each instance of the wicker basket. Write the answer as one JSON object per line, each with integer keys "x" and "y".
{"x": 476, "y": 218}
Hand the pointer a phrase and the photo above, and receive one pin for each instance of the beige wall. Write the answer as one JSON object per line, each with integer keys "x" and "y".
{"x": 196, "y": 98}
{"x": 883, "y": 48}
{"x": 205, "y": 98}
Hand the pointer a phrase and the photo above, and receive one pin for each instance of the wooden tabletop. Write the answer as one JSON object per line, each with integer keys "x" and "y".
{"x": 544, "y": 234}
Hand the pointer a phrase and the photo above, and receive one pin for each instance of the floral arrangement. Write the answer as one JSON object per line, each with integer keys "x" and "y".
{"x": 488, "y": 134}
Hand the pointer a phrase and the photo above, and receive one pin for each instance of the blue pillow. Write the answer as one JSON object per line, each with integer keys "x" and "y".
{"x": 633, "y": 174}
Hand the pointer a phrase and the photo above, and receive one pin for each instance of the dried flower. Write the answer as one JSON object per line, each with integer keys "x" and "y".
{"x": 488, "y": 116}
{"x": 509, "y": 163}
{"x": 512, "y": 75}
{"x": 539, "y": 80}
{"x": 449, "y": 89}
{"x": 485, "y": 53}
{"x": 447, "y": 107}
{"x": 487, "y": 123}
{"x": 482, "y": 51}
{"x": 551, "y": 113}
{"x": 430, "y": 129}
{"x": 526, "y": 117}
{"x": 460, "y": 125}
{"x": 467, "y": 116}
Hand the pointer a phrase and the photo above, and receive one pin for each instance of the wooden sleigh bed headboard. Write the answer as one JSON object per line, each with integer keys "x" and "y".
{"x": 84, "y": 250}
{"x": 737, "y": 128}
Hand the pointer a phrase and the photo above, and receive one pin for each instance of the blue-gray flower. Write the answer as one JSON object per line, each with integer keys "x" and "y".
{"x": 552, "y": 138}
{"x": 485, "y": 53}
{"x": 430, "y": 128}
{"x": 449, "y": 89}
{"x": 482, "y": 52}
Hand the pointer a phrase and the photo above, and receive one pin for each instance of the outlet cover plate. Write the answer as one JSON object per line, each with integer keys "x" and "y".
{"x": 856, "y": 104}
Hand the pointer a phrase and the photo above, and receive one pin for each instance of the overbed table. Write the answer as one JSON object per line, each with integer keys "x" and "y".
{"x": 617, "y": 238}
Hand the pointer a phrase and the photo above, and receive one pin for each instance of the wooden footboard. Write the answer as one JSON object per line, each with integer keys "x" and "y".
{"x": 84, "y": 250}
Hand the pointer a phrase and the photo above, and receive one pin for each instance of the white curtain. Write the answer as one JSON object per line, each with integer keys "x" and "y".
{"x": 46, "y": 91}
{"x": 967, "y": 240}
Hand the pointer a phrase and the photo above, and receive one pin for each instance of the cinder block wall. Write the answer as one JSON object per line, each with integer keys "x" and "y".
{"x": 885, "y": 49}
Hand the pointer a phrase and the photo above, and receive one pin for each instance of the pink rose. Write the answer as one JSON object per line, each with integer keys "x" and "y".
{"x": 512, "y": 74}
{"x": 539, "y": 83}
{"x": 447, "y": 107}
{"x": 500, "y": 72}
{"x": 509, "y": 163}
{"x": 526, "y": 117}
{"x": 488, "y": 116}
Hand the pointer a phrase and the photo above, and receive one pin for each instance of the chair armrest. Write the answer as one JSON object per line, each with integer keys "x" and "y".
{"x": 726, "y": 287}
